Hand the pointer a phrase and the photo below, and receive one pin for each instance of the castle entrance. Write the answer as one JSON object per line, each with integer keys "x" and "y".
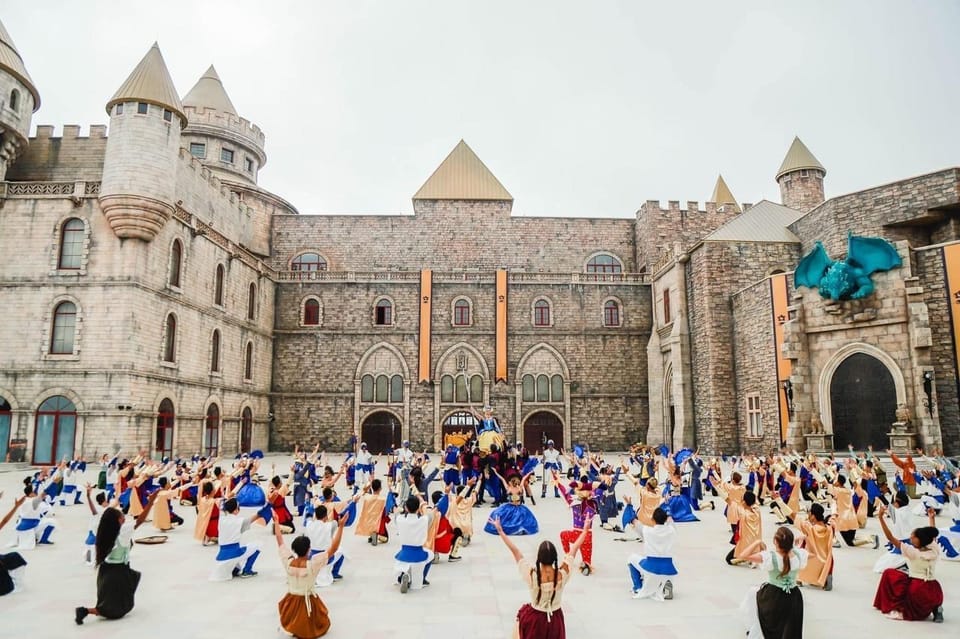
{"x": 540, "y": 427}
{"x": 381, "y": 432}
{"x": 863, "y": 398}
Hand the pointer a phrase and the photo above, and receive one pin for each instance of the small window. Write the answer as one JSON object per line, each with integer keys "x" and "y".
{"x": 15, "y": 100}
{"x": 249, "y": 165}
{"x": 226, "y": 155}
{"x": 804, "y": 173}
{"x": 366, "y": 388}
{"x": 383, "y": 313}
{"x": 461, "y": 390}
{"x": 556, "y": 388}
{"x": 604, "y": 263}
{"x": 218, "y": 286}
{"x": 142, "y": 108}
{"x": 252, "y": 302}
{"x": 667, "y": 317}
{"x": 311, "y": 313}
{"x": 308, "y": 262}
{"x": 446, "y": 389}
{"x": 611, "y": 313}
{"x": 198, "y": 150}
{"x": 64, "y": 329}
{"x": 382, "y": 389}
{"x": 71, "y": 244}
{"x": 461, "y": 313}
{"x": 176, "y": 262}
{"x": 120, "y": 109}
{"x": 167, "y": 115}
{"x": 529, "y": 388}
{"x": 476, "y": 388}
{"x": 170, "y": 339}
{"x": 215, "y": 352}
{"x": 541, "y": 313}
{"x": 396, "y": 389}
{"x": 754, "y": 416}
{"x": 543, "y": 388}
{"x": 211, "y": 431}
{"x": 248, "y": 362}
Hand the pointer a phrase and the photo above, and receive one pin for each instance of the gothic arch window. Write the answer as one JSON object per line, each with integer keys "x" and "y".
{"x": 72, "y": 236}
{"x": 14, "y": 100}
{"x": 556, "y": 388}
{"x": 215, "y": 352}
{"x": 383, "y": 312}
{"x": 476, "y": 388}
{"x": 218, "y": 285}
{"x": 542, "y": 312}
{"x": 170, "y": 339}
{"x": 366, "y": 388}
{"x": 176, "y": 264}
{"x": 311, "y": 312}
{"x": 604, "y": 263}
{"x": 248, "y": 362}
{"x": 529, "y": 389}
{"x": 446, "y": 389}
{"x": 382, "y": 394}
{"x": 211, "y": 431}
{"x": 543, "y": 388}
{"x": 462, "y": 312}
{"x": 396, "y": 389}
{"x": 64, "y": 329}
{"x": 252, "y": 301}
{"x": 612, "y": 316}
{"x": 309, "y": 262}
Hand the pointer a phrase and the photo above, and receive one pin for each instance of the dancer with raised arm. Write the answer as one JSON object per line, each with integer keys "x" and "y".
{"x": 651, "y": 573}
{"x": 915, "y": 595}
{"x": 774, "y": 610}
{"x": 12, "y": 565}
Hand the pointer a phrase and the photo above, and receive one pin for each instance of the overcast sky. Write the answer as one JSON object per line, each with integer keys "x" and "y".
{"x": 579, "y": 108}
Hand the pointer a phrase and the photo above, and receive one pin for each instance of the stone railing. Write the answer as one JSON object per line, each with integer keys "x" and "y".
{"x": 472, "y": 277}
{"x": 49, "y": 189}
{"x": 665, "y": 258}
{"x": 198, "y": 227}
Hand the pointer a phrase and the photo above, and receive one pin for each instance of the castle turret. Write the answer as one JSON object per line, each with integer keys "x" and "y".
{"x": 139, "y": 169}
{"x": 723, "y": 198}
{"x": 801, "y": 178}
{"x": 19, "y": 100}
{"x": 230, "y": 146}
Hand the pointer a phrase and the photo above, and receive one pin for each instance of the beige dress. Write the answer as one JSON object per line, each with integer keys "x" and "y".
{"x": 751, "y": 530}
{"x": 302, "y": 613}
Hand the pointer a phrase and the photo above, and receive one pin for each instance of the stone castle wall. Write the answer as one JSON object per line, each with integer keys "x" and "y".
{"x": 659, "y": 229}
{"x": 71, "y": 157}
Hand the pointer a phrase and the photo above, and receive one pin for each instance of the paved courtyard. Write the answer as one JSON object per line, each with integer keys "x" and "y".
{"x": 477, "y": 597}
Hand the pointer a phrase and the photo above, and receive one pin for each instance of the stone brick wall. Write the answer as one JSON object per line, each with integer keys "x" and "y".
{"x": 70, "y": 157}
{"x": 802, "y": 192}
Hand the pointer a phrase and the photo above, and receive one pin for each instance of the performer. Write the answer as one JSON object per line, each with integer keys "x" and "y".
{"x": 116, "y": 581}
{"x": 846, "y": 517}
{"x": 35, "y": 526}
{"x": 461, "y": 512}
{"x": 949, "y": 539}
{"x": 320, "y": 532}
{"x": 412, "y": 562}
{"x": 749, "y": 530}
{"x": 916, "y": 595}
{"x": 444, "y": 538}
{"x": 648, "y": 501}
{"x": 583, "y": 509}
{"x": 164, "y": 518}
{"x": 787, "y": 502}
{"x": 676, "y": 504}
{"x": 302, "y": 613}
{"x": 277, "y": 498}
{"x": 551, "y": 464}
{"x": 12, "y": 565}
{"x": 818, "y": 542}
{"x": 364, "y": 465}
{"x": 734, "y": 496}
{"x": 515, "y": 518}
{"x": 775, "y": 609}
{"x": 405, "y": 463}
{"x": 374, "y": 514}
{"x": 542, "y": 618}
{"x": 908, "y": 470}
{"x": 651, "y": 573}
{"x": 609, "y": 506}
{"x": 250, "y": 495}
{"x": 902, "y": 528}
{"x": 97, "y": 506}
{"x": 71, "y": 473}
{"x": 234, "y": 560}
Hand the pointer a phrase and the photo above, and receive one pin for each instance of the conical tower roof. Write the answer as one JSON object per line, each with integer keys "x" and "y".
{"x": 11, "y": 62}
{"x": 150, "y": 82}
{"x": 209, "y": 93}
{"x": 799, "y": 157}
{"x": 462, "y": 176}
{"x": 722, "y": 195}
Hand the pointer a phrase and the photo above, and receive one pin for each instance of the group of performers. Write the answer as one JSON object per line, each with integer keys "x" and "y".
{"x": 428, "y": 506}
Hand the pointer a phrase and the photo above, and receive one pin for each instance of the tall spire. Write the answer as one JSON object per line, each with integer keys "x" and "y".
{"x": 799, "y": 157}
{"x": 722, "y": 195}
{"x": 11, "y": 62}
{"x": 209, "y": 93}
{"x": 150, "y": 82}
{"x": 462, "y": 176}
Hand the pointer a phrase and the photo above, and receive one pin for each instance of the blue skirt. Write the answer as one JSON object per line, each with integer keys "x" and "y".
{"x": 515, "y": 519}
{"x": 679, "y": 509}
{"x": 251, "y": 495}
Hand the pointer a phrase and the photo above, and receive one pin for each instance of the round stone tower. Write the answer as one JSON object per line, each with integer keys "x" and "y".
{"x": 139, "y": 169}
{"x": 230, "y": 146}
{"x": 19, "y": 100}
{"x": 801, "y": 178}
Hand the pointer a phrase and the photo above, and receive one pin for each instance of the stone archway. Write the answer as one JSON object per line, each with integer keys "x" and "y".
{"x": 541, "y": 426}
{"x": 381, "y": 430}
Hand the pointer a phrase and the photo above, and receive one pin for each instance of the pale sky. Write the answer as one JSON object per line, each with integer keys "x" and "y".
{"x": 579, "y": 108}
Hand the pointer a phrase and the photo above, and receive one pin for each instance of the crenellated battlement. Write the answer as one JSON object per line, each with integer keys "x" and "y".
{"x": 214, "y": 118}
{"x": 652, "y": 207}
{"x": 70, "y": 131}
{"x": 204, "y": 173}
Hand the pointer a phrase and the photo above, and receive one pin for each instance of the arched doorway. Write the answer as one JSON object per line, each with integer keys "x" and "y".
{"x": 246, "y": 429}
{"x": 164, "y": 436}
{"x": 211, "y": 432}
{"x": 539, "y": 427}
{"x": 863, "y": 400}
{"x": 56, "y": 431}
{"x": 381, "y": 432}
{"x": 458, "y": 428}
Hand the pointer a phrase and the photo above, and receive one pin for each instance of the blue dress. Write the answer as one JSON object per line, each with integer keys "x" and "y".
{"x": 515, "y": 519}
{"x": 250, "y": 494}
{"x": 679, "y": 508}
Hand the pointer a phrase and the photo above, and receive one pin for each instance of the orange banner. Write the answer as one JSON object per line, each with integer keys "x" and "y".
{"x": 951, "y": 263}
{"x": 501, "y": 326}
{"x": 426, "y": 302}
{"x": 779, "y": 294}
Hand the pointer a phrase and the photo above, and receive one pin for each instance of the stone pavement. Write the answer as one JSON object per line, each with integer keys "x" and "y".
{"x": 477, "y": 597}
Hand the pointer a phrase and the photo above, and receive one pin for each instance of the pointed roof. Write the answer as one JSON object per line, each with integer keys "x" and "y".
{"x": 150, "y": 82}
{"x": 11, "y": 62}
{"x": 462, "y": 176}
{"x": 722, "y": 194}
{"x": 799, "y": 157}
{"x": 209, "y": 93}
{"x": 766, "y": 221}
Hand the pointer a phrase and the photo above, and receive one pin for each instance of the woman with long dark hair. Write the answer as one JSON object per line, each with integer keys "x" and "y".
{"x": 542, "y": 618}
{"x": 775, "y": 609}
{"x": 916, "y": 594}
{"x": 116, "y": 581}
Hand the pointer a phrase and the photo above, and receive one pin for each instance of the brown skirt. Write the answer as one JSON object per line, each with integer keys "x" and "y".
{"x": 302, "y": 624}
{"x": 533, "y": 624}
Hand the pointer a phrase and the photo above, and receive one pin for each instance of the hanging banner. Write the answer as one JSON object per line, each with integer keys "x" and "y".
{"x": 426, "y": 301}
{"x": 501, "y": 367}
{"x": 779, "y": 295}
{"x": 951, "y": 263}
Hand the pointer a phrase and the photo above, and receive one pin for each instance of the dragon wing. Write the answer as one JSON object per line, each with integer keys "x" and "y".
{"x": 812, "y": 267}
{"x": 872, "y": 254}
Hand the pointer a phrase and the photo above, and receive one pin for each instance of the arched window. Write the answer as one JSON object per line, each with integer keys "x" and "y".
{"x": 311, "y": 313}
{"x": 476, "y": 388}
{"x": 64, "y": 329}
{"x": 446, "y": 389}
{"x": 176, "y": 262}
{"x": 541, "y": 313}
{"x": 461, "y": 390}
{"x": 396, "y": 389}
{"x": 461, "y": 313}
{"x": 170, "y": 339}
{"x": 529, "y": 393}
{"x": 215, "y": 352}
{"x": 15, "y": 100}
{"x": 248, "y": 362}
{"x": 211, "y": 431}
{"x": 543, "y": 388}
{"x": 556, "y": 388}
{"x": 252, "y": 302}
{"x": 383, "y": 313}
{"x": 218, "y": 286}
{"x": 164, "y": 436}
{"x": 382, "y": 389}
{"x": 611, "y": 313}
{"x": 55, "y": 432}
{"x": 366, "y": 388}
{"x": 246, "y": 429}
{"x": 308, "y": 262}
{"x": 71, "y": 244}
{"x": 604, "y": 263}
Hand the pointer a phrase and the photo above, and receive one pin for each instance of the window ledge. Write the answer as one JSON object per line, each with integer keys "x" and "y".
{"x": 167, "y": 364}
{"x": 248, "y": 381}
{"x": 61, "y": 357}
{"x": 220, "y": 307}
{"x": 218, "y": 374}
{"x": 175, "y": 289}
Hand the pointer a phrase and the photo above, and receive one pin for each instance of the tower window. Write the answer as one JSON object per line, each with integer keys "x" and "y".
{"x": 804, "y": 172}
{"x": 71, "y": 244}
{"x": 249, "y": 164}
{"x": 167, "y": 115}
{"x": 64, "y": 328}
{"x": 142, "y": 108}
{"x": 226, "y": 155}
{"x": 120, "y": 109}
{"x": 383, "y": 313}
{"x": 218, "y": 286}
{"x": 541, "y": 313}
{"x": 198, "y": 150}
{"x": 15, "y": 100}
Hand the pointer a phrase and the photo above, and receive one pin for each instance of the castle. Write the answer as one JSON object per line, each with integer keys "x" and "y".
{"x": 161, "y": 299}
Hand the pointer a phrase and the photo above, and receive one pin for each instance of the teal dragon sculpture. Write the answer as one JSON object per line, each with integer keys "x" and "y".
{"x": 848, "y": 279}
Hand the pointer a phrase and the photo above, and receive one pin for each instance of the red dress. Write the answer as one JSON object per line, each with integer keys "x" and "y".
{"x": 213, "y": 525}
{"x": 917, "y": 595}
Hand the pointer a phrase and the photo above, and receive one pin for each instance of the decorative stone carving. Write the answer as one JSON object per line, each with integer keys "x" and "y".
{"x": 135, "y": 217}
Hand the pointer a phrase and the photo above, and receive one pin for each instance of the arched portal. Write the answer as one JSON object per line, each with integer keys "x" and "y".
{"x": 458, "y": 428}
{"x": 540, "y": 427}
{"x": 381, "y": 432}
{"x": 863, "y": 400}
{"x": 163, "y": 437}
